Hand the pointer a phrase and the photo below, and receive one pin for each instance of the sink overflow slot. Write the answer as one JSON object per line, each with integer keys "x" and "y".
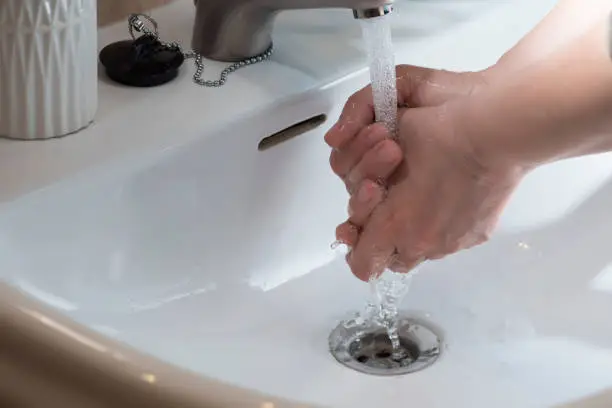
{"x": 291, "y": 132}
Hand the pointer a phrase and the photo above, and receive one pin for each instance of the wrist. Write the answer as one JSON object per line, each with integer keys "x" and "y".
{"x": 547, "y": 111}
{"x": 564, "y": 23}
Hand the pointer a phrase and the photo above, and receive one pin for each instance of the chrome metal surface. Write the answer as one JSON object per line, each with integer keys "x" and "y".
{"x": 136, "y": 24}
{"x": 372, "y": 12}
{"x": 367, "y": 349}
{"x": 233, "y": 30}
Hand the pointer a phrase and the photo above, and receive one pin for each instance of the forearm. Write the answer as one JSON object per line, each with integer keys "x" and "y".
{"x": 556, "y": 108}
{"x": 568, "y": 20}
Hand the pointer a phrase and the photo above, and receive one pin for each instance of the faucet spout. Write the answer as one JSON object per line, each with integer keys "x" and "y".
{"x": 366, "y": 13}
{"x": 234, "y": 30}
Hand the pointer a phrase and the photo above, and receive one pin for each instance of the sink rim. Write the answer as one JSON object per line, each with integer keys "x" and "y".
{"x": 129, "y": 371}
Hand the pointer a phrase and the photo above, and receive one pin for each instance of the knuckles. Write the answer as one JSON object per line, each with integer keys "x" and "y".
{"x": 335, "y": 162}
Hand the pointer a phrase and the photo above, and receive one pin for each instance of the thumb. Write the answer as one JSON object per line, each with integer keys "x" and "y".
{"x": 419, "y": 86}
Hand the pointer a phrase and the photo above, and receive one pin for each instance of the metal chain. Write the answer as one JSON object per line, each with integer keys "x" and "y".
{"x": 136, "y": 24}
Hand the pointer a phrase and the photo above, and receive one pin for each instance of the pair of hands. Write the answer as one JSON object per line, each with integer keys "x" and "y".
{"x": 426, "y": 194}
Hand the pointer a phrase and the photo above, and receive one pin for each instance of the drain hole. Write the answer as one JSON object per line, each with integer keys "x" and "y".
{"x": 291, "y": 132}
{"x": 363, "y": 359}
{"x": 376, "y": 349}
{"x": 368, "y": 349}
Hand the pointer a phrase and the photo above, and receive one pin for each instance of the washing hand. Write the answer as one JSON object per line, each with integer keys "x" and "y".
{"x": 425, "y": 195}
{"x": 465, "y": 141}
{"x": 358, "y": 143}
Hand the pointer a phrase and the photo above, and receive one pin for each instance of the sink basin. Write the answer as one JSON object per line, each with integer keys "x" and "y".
{"x": 201, "y": 274}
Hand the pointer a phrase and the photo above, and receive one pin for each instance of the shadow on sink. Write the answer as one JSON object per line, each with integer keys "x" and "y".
{"x": 555, "y": 273}
{"x": 600, "y": 400}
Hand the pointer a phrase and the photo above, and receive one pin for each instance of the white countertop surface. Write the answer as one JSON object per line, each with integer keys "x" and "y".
{"x": 313, "y": 49}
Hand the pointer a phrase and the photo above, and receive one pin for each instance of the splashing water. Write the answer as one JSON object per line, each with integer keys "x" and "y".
{"x": 387, "y": 292}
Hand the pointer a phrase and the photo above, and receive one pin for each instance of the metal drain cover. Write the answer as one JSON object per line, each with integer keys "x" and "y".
{"x": 368, "y": 349}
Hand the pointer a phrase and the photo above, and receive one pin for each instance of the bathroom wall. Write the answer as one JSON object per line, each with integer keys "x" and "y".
{"x": 111, "y": 11}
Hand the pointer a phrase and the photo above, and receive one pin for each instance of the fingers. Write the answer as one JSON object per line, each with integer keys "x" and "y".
{"x": 410, "y": 242}
{"x": 411, "y": 251}
{"x": 377, "y": 164}
{"x": 378, "y": 247}
{"x": 343, "y": 161}
{"x": 364, "y": 201}
{"x": 348, "y": 234}
{"x": 361, "y": 206}
{"x": 359, "y": 107}
{"x": 342, "y": 133}
{"x": 358, "y": 113}
{"x": 374, "y": 250}
{"x": 416, "y": 87}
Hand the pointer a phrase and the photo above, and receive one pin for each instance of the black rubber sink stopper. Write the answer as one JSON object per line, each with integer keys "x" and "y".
{"x": 143, "y": 62}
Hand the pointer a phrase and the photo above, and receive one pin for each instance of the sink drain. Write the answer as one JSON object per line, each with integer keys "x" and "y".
{"x": 368, "y": 349}
{"x": 375, "y": 349}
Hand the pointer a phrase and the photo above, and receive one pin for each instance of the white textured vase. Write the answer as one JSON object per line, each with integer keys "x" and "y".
{"x": 48, "y": 67}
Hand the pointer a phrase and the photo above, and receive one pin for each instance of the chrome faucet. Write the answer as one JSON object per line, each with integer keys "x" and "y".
{"x": 233, "y": 30}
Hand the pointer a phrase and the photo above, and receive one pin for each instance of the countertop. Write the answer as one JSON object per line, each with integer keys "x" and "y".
{"x": 314, "y": 48}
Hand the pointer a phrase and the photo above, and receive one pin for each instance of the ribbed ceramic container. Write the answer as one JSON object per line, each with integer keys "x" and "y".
{"x": 48, "y": 67}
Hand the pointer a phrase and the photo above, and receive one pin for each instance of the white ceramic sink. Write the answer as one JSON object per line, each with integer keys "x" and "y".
{"x": 213, "y": 257}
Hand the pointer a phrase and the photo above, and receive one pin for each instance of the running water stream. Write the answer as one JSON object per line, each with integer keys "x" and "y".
{"x": 389, "y": 289}
{"x": 381, "y": 58}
